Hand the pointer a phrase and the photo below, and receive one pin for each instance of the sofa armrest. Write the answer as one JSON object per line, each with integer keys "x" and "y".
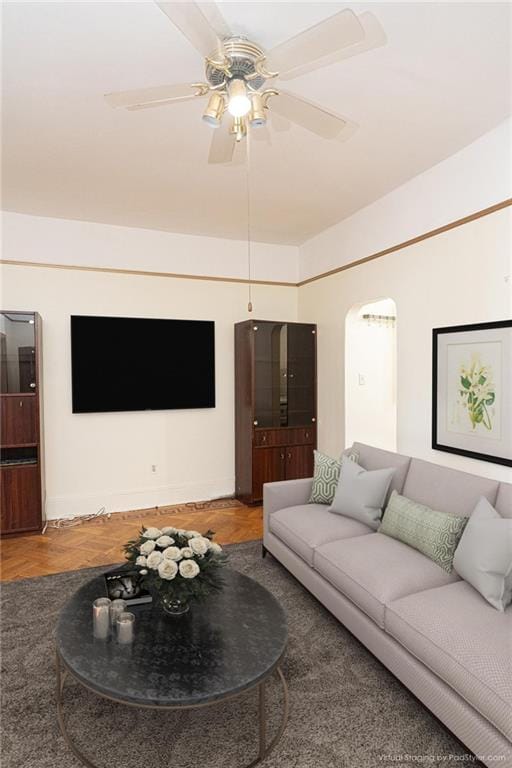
{"x": 285, "y": 493}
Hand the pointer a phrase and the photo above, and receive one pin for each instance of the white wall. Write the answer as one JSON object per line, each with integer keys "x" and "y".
{"x": 370, "y": 376}
{"x": 84, "y": 243}
{"x": 95, "y": 460}
{"x": 461, "y": 276}
{"x": 477, "y": 177}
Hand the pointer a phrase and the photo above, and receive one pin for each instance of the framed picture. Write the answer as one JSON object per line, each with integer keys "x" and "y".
{"x": 124, "y": 583}
{"x": 472, "y": 391}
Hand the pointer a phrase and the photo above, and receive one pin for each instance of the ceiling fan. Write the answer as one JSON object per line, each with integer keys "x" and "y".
{"x": 240, "y": 75}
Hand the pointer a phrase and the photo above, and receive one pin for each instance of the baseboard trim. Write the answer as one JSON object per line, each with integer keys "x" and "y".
{"x": 76, "y": 505}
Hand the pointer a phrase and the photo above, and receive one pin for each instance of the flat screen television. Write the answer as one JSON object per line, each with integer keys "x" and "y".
{"x": 137, "y": 364}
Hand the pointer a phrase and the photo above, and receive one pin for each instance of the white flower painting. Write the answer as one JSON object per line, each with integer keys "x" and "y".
{"x": 474, "y": 389}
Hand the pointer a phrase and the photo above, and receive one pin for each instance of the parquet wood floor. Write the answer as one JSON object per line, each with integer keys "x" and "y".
{"x": 99, "y": 542}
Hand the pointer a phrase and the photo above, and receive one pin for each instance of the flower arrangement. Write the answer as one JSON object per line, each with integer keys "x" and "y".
{"x": 177, "y": 565}
{"x": 477, "y": 392}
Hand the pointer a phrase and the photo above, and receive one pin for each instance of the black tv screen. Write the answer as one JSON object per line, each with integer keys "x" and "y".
{"x": 137, "y": 364}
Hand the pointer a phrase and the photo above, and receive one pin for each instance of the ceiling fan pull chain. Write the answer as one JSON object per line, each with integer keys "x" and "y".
{"x": 248, "y": 162}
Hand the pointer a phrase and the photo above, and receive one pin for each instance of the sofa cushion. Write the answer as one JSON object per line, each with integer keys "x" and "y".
{"x": 484, "y": 555}
{"x": 465, "y": 641}
{"x": 447, "y": 490}
{"x": 326, "y": 474}
{"x": 361, "y": 493}
{"x": 504, "y": 500}
{"x": 375, "y": 570}
{"x": 435, "y": 534}
{"x": 378, "y": 458}
{"x": 305, "y": 527}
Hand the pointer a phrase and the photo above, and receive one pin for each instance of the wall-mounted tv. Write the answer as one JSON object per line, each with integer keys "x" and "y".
{"x": 137, "y": 364}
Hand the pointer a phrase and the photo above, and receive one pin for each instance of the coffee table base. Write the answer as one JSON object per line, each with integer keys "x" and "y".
{"x": 264, "y": 750}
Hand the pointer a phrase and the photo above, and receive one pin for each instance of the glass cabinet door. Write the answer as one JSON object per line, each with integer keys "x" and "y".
{"x": 17, "y": 353}
{"x": 301, "y": 375}
{"x": 270, "y": 381}
{"x": 284, "y": 374}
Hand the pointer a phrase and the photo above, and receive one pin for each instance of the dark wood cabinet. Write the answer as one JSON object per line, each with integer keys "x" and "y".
{"x": 21, "y": 439}
{"x": 18, "y": 414}
{"x": 275, "y": 404}
{"x": 21, "y": 499}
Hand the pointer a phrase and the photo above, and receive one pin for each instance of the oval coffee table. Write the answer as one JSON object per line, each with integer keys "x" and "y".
{"x": 223, "y": 647}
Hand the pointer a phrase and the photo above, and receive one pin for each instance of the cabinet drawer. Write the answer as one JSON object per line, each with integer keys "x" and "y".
{"x": 20, "y": 505}
{"x": 19, "y": 420}
{"x": 285, "y": 436}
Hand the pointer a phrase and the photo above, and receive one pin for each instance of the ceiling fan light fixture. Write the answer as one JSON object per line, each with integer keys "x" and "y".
{"x": 239, "y": 102}
{"x": 214, "y": 110}
{"x": 257, "y": 115}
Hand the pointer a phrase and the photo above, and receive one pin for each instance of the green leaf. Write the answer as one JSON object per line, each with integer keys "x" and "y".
{"x": 482, "y": 380}
{"x": 490, "y": 400}
{"x": 465, "y": 382}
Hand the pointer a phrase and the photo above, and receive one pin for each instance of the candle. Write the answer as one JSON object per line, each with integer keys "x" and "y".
{"x": 117, "y": 607}
{"x": 101, "y": 618}
{"x": 125, "y": 625}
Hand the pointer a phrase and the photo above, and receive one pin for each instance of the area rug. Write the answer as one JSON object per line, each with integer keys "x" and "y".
{"x": 346, "y": 709}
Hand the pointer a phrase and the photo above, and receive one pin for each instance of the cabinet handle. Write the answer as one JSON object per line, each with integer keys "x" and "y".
{"x": 32, "y": 385}
{"x": 21, "y": 403}
{"x": 307, "y": 434}
{"x": 292, "y": 375}
{"x": 282, "y": 455}
{"x": 264, "y": 438}
{"x": 313, "y": 419}
{"x": 289, "y": 455}
{"x": 255, "y": 422}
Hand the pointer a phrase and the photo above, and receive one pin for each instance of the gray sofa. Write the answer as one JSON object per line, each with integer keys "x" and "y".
{"x": 432, "y": 630}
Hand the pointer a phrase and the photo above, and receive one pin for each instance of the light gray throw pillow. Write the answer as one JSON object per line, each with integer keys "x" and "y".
{"x": 361, "y": 493}
{"x": 484, "y": 555}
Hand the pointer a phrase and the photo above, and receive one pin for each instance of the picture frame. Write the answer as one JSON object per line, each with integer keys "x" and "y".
{"x": 124, "y": 583}
{"x": 472, "y": 391}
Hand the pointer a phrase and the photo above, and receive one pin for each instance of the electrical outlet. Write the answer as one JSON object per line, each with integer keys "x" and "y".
{"x": 153, "y": 467}
{"x": 361, "y": 380}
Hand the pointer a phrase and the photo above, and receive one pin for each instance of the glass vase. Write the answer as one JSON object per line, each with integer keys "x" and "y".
{"x": 172, "y": 606}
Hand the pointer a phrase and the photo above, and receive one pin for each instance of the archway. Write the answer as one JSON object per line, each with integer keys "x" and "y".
{"x": 370, "y": 374}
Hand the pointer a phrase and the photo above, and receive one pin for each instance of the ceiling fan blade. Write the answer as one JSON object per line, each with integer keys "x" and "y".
{"x": 222, "y": 146}
{"x": 314, "y": 118}
{"x": 213, "y": 14}
{"x": 323, "y": 39}
{"x": 261, "y": 134}
{"x": 190, "y": 19}
{"x": 374, "y": 37}
{"x": 152, "y": 97}
{"x": 279, "y": 123}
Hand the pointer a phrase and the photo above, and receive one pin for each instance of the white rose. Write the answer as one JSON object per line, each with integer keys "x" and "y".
{"x": 199, "y": 545}
{"x": 141, "y": 560}
{"x": 147, "y": 547}
{"x": 152, "y": 533}
{"x": 189, "y": 569}
{"x": 169, "y": 531}
{"x": 186, "y": 552}
{"x": 172, "y": 553}
{"x": 154, "y": 560}
{"x": 167, "y": 569}
{"x": 143, "y": 572}
{"x": 164, "y": 541}
{"x": 216, "y": 548}
{"x": 192, "y": 534}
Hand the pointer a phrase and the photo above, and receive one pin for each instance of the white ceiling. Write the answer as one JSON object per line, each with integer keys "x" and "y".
{"x": 442, "y": 80}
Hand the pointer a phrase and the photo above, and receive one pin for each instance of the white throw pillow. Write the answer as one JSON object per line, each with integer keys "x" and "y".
{"x": 484, "y": 555}
{"x": 361, "y": 493}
